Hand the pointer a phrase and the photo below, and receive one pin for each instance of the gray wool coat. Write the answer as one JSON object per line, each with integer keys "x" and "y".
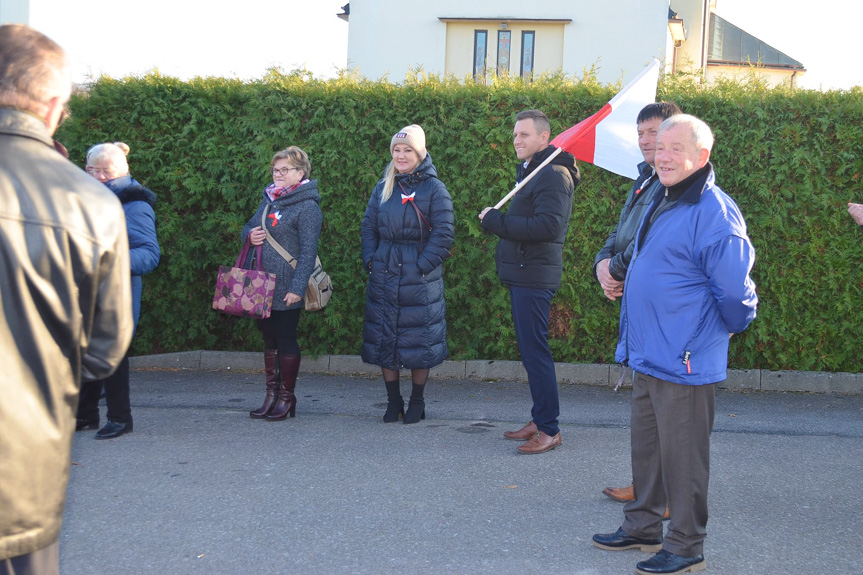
{"x": 294, "y": 221}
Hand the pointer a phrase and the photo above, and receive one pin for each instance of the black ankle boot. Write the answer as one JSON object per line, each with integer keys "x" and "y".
{"x": 395, "y": 403}
{"x": 416, "y": 405}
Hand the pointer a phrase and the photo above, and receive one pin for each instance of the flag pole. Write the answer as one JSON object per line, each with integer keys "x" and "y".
{"x": 530, "y": 176}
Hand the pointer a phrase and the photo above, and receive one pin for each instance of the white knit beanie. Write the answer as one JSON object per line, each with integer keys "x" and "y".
{"x": 414, "y": 137}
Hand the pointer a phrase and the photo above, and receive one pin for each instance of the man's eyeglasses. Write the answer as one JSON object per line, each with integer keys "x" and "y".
{"x": 282, "y": 171}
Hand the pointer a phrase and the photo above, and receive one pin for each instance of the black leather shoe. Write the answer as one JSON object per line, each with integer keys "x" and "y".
{"x": 82, "y": 424}
{"x": 113, "y": 429}
{"x": 667, "y": 563}
{"x": 620, "y": 540}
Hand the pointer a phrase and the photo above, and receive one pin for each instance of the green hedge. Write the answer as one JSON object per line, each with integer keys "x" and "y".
{"x": 791, "y": 160}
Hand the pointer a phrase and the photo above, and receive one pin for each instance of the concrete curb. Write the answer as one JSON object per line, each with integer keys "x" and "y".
{"x": 583, "y": 373}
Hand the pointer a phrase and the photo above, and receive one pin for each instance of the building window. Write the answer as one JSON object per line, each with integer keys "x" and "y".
{"x": 480, "y": 50}
{"x": 527, "y": 44}
{"x": 504, "y": 42}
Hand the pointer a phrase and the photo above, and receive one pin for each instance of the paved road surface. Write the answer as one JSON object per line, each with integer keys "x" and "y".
{"x": 199, "y": 487}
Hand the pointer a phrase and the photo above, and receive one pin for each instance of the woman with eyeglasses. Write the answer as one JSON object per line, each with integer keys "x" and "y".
{"x": 290, "y": 206}
{"x": 107, "y": 163}
{"x": 407, "y": 231}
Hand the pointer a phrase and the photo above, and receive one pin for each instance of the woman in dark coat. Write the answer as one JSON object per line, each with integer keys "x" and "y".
{"x": 407, "y": 231}
{"x": 293, "y": 220}
{"x": 107, "y": 163}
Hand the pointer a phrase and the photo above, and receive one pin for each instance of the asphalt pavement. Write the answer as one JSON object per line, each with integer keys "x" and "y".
{"x": 199, "y": 487}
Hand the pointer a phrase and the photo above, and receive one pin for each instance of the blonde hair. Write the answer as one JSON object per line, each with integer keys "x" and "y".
{"x": 415, "y": 137}
{"x": 389, "y": 181}
{"x": 115, "y": 153}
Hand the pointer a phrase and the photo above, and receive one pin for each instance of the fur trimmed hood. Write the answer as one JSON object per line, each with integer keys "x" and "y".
{"x": 129, "y": 190}
{"x": 136, "y": 193}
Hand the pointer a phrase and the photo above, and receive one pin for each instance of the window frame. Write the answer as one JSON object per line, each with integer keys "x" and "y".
{"x": 476, "y": 35}
{"x": 500, "y": 34}
{"x": 524, "y": 35}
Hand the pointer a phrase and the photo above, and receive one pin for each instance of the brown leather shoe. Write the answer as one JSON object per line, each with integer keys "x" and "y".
{"x": 540, "y": 443}
{"x": 625, "y": 494}
{"x": 621, "y": 494}
{"x": 522, "y": 434}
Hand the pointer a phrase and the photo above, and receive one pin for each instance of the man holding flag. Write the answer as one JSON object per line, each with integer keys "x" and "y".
{"x": 529, "y": 261}
{"x": 529, "y": 254}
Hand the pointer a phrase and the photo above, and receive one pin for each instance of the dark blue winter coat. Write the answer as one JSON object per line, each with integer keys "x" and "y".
{"x": 144, "y": 252}
{"x": 405, "y": 323}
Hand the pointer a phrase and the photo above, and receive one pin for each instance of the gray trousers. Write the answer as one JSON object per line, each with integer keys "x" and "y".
{"x": 43, "y": 562}
{"x": 671, "y": 425}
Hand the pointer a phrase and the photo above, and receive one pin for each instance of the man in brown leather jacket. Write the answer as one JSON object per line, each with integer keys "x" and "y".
{"x": 65, "y": 297}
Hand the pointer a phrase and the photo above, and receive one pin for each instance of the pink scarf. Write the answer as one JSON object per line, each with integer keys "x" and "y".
{"x": 274, "y": 191}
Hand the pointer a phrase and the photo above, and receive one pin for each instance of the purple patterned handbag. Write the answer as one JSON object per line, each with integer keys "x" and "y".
{"x": 242, "y": 292}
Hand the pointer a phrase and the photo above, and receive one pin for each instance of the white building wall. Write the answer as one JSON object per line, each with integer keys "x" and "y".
{"x": 772, "y": 76}
{"x": 621, "y": 37}
{"x": 389, "y": 38}
{"x": 692, "y": 55}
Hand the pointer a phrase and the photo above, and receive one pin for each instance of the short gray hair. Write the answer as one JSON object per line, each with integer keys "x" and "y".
{"x": 33, "y": 69}
{"x": 115, "y": 153}
{"x": 701, "y": 134}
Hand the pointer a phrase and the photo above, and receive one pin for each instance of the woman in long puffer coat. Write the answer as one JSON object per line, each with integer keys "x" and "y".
{"x": 407, "y": 231}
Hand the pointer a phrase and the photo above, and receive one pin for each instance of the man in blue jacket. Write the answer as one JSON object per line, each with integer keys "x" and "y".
{"x": 529, "y": 261}
{"x": 687, "y": 291}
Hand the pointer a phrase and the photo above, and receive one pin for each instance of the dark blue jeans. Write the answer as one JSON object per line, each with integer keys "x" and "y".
{"x": 530, "y": 309}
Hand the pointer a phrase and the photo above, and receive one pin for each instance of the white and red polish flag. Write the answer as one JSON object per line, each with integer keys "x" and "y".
{"x": 607, "y": 138}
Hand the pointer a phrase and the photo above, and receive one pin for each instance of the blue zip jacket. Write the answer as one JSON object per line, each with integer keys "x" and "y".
{"x": 687, "y": 287}
{"x": 144, "y": 251}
